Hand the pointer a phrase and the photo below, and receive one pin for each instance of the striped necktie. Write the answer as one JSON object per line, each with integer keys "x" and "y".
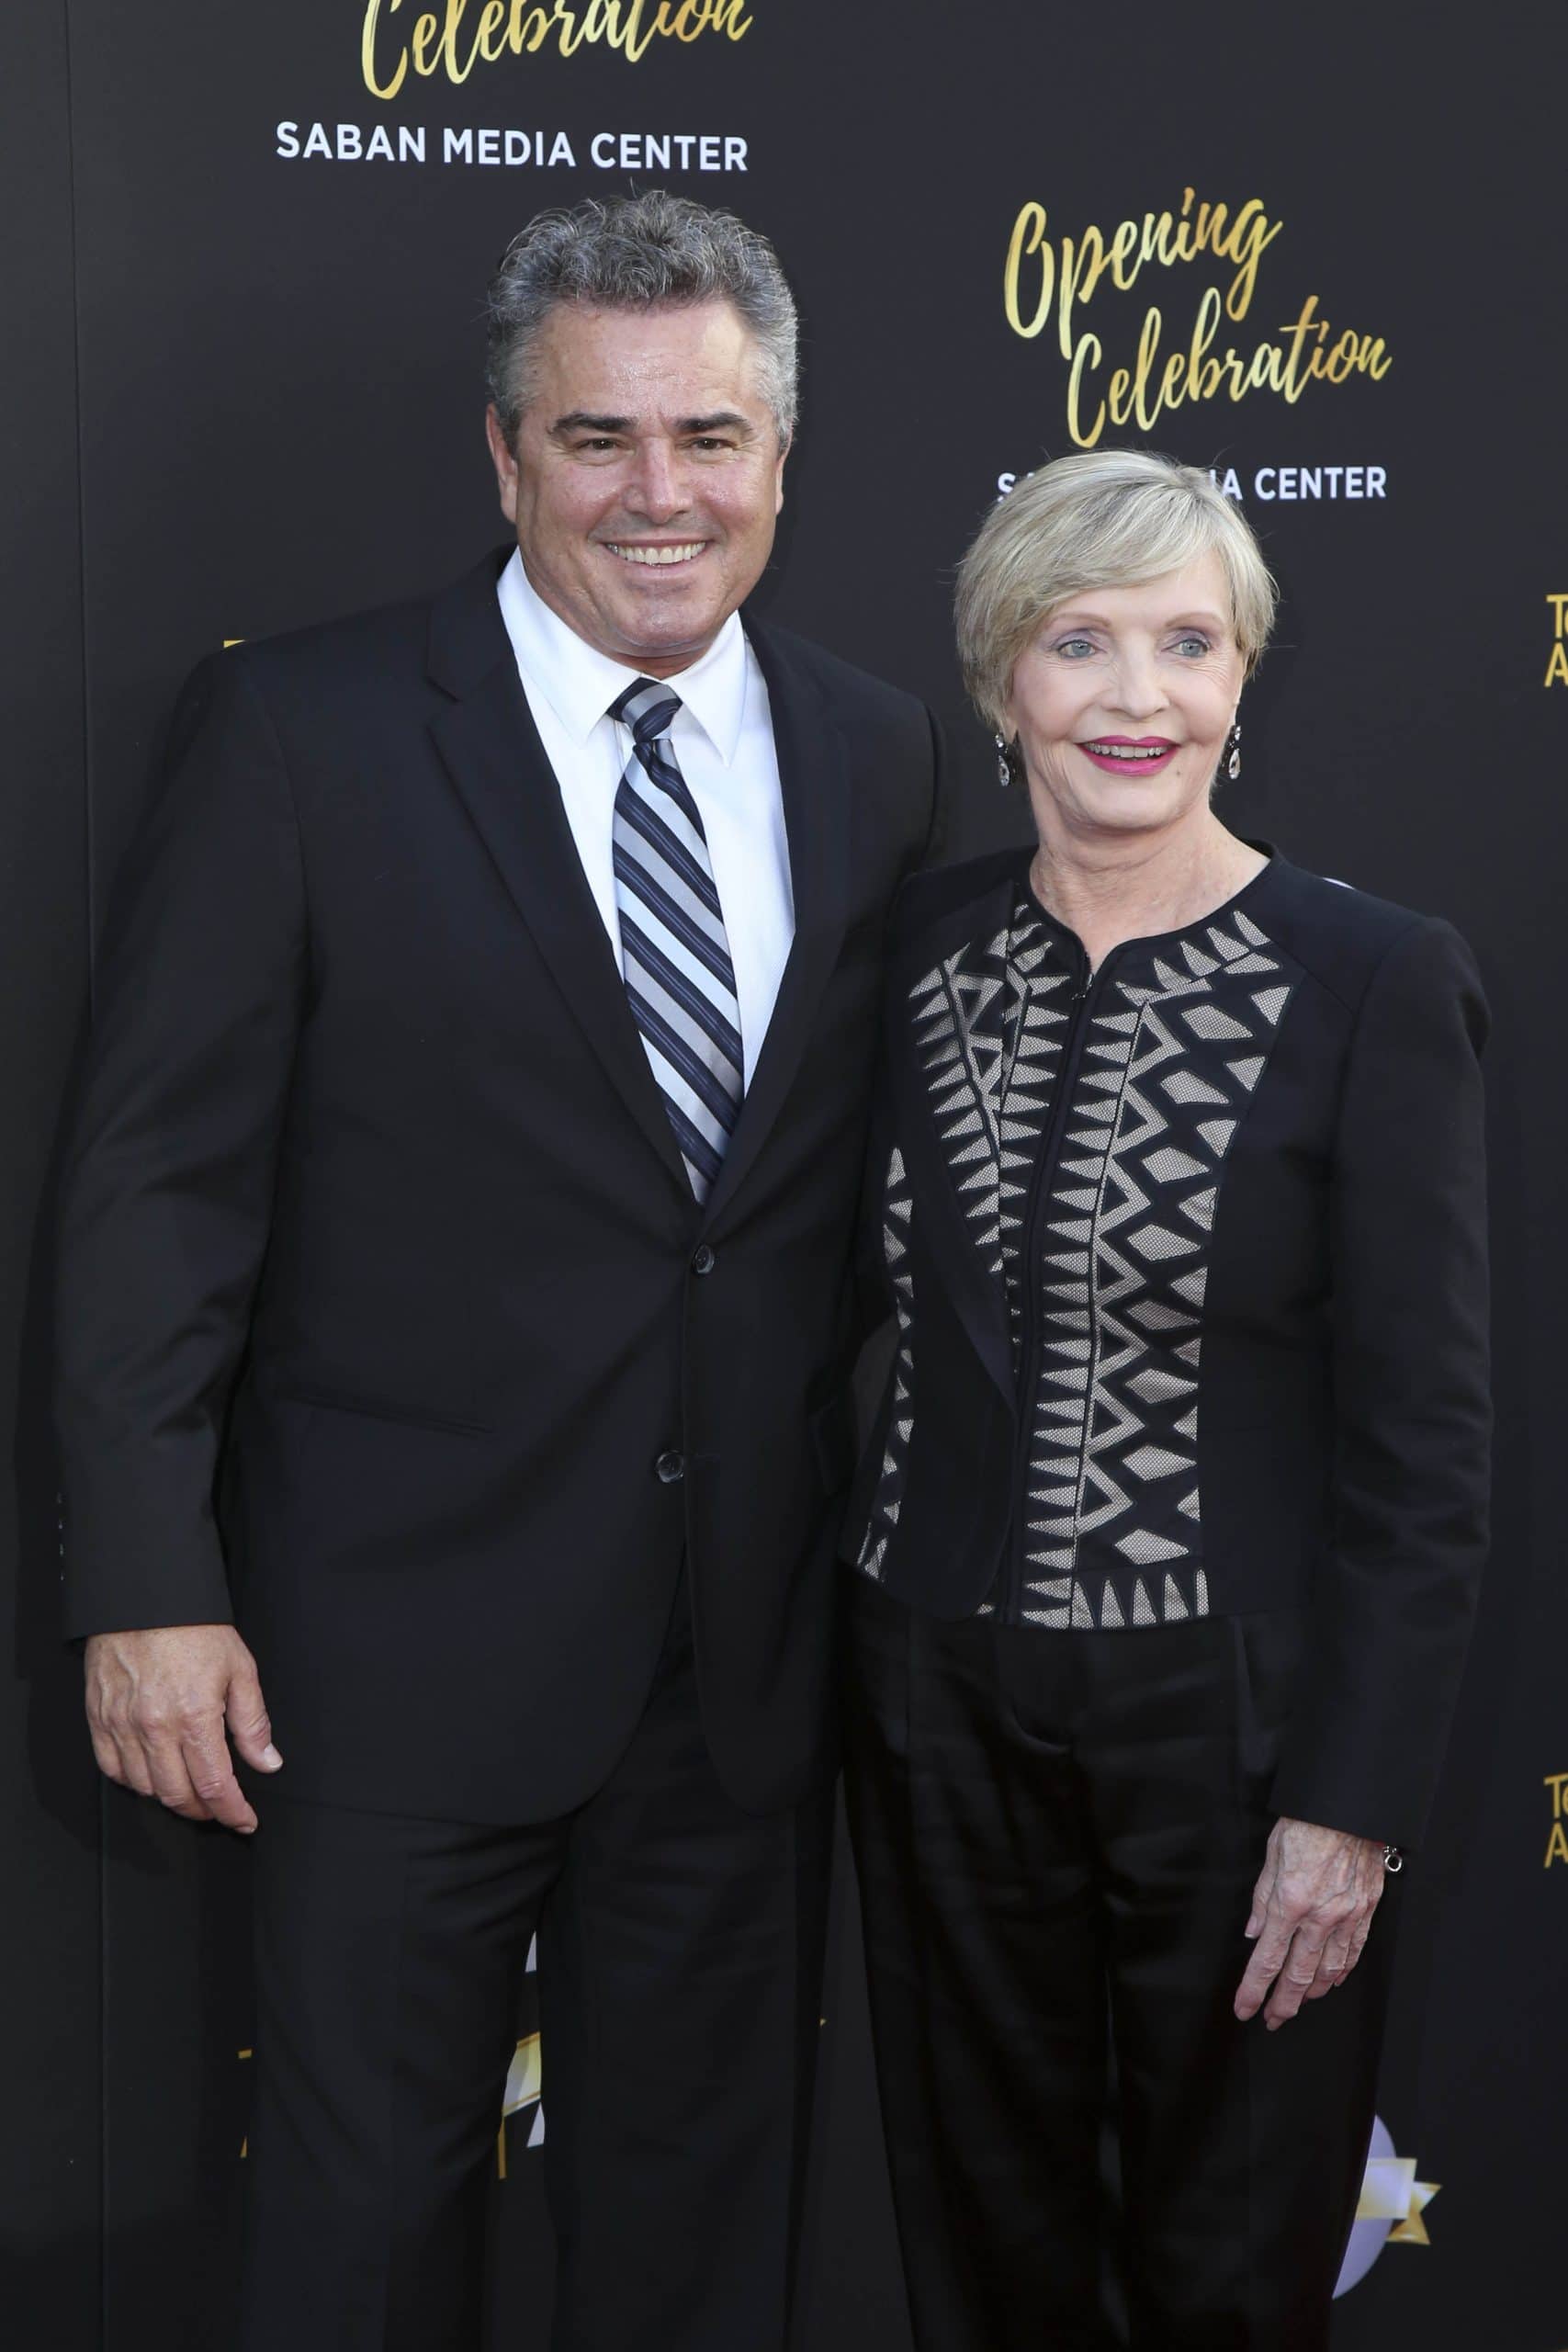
{"x": 674, "y": 950}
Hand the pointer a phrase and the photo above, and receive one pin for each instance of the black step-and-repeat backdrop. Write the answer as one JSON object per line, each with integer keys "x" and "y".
{"x": 1314, "y": 249}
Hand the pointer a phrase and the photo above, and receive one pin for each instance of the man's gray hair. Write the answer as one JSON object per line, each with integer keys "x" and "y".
{"x": 639, "y": 253}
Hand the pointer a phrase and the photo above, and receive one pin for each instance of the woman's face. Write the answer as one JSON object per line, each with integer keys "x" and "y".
{"x": 1122, "y": 701}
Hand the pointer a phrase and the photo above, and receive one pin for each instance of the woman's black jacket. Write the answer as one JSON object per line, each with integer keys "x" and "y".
{"x": 1190, "y": 1267}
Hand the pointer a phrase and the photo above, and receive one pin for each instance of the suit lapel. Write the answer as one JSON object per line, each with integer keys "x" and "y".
{"x": 491, "y": 751}
{"x": 814, "y": 776}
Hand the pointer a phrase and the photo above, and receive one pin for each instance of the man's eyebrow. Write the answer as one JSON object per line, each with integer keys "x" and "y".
{"x": 578, "y": 420}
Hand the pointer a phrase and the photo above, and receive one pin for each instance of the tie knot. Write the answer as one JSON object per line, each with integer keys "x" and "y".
{"x": 647, "y": 708}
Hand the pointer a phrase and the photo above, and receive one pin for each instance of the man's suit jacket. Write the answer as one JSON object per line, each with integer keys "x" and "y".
{"x": 386, "y": 1319}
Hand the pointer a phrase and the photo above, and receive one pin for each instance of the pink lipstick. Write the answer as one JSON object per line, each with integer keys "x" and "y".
{"x": 1130, "y": 754}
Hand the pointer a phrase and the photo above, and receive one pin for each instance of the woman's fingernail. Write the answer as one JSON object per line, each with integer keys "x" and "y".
{"x": 271, "y": 1759}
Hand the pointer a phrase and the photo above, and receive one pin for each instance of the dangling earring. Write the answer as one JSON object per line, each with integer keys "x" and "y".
{"x": 1233, "y": 765}
{"x": 1007, "y": 764}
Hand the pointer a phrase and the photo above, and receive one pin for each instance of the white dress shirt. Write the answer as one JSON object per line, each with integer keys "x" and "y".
{"x": 723, "y": 739}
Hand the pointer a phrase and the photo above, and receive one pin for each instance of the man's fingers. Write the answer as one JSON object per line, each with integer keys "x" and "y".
{"x": 117, "y": 1751}
{"x": 172, "y": 1783}
{"x": 157, "y": 1702}
{"x": 212, "y": 1779}
{"x": 122, "y": 1762}
{"x": 135, "y": 1770}
{"x": 249, "y": 1727}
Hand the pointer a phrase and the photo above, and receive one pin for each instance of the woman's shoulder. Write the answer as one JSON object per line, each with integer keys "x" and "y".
{"x": 1345, "y": 935}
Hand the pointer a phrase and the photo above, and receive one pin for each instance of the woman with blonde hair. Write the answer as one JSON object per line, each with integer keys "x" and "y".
{"x": 1168, "y": 1538}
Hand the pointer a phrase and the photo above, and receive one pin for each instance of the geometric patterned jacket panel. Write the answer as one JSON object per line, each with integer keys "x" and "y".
{"x": 1087, "y": 1124}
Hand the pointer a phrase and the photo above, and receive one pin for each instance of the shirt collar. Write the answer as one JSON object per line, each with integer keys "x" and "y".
{"x": 579, "y": 682}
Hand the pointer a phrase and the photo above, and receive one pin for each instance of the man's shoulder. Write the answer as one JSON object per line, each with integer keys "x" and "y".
{"x": 372, "y": 646}
{"x": 383, "y": 648}
{"x": 784, "y": 654}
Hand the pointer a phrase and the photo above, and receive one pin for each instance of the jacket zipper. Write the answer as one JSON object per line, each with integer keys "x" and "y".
{"x": 1084, "y": 998}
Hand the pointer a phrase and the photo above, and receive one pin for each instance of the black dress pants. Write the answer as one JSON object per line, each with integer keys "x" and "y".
{"x": 1057, "y": 1836}
{"x": 679, "y": 1958}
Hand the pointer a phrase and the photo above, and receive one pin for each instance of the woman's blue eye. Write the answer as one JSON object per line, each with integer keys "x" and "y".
{"x": 1201, "y": 642}
{"x": 1076, "y": 645}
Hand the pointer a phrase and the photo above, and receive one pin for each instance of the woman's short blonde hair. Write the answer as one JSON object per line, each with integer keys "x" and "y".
{"x": 1105, "y": 518}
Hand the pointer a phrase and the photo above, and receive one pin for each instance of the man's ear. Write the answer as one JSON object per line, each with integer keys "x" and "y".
{"x": 504, "y": 462}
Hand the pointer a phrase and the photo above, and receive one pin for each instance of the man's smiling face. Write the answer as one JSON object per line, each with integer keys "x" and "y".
{"x": 647, "y": 477}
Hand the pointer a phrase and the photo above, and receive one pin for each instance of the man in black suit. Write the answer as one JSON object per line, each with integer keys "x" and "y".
{"x": 453, "y": 1327}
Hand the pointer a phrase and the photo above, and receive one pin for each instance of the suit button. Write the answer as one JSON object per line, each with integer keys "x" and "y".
{"x": 703, "y": 1261}
{"x": 671, "y": 1468}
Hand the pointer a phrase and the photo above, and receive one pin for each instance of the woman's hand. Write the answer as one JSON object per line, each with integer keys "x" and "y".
{"x": 1311, "y": 1911}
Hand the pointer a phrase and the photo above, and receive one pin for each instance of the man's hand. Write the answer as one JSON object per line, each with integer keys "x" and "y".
{"x": 157, "y": 1702}
{"x": 1311, "y": 1914}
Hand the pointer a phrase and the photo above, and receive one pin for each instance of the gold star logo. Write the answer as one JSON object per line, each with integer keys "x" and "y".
{"x": 1391, "y": 2192}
